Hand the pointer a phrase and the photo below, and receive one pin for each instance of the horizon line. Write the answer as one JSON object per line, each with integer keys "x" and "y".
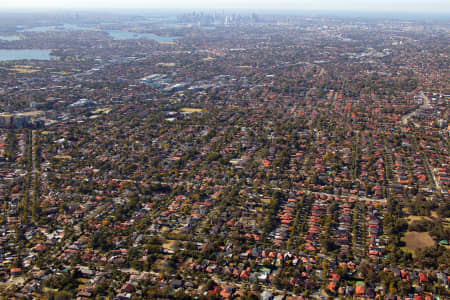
{"x": 265, "y": 9}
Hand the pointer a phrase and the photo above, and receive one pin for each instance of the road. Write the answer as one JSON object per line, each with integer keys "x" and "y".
{"x": 425, "y": 104}
{"x": 384, "y": 200}
{"x": 435, "y": 180}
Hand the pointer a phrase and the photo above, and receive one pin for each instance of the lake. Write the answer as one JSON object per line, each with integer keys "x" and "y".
{"x": 9, "y": 38}
{"x": 126, "y": 35}
{"x": 7, "y": 55}
{"x": 64, "y": 27}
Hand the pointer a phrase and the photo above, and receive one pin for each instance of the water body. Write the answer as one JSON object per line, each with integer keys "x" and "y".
{"x": 174, "y": 25}
{"x": 116, "y": 34}
{"x": 63, "y": 27}
{"x": 183, "y": 25}
{"x": 9, "y": 38}
{"x": 7, "y": 55}
{"x": 126, "y": 35}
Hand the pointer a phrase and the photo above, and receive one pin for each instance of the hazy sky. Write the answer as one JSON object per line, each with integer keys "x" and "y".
{"x": 439, "y": 6}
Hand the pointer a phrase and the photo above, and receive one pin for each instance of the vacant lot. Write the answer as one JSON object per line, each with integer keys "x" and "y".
{"x": 415, "y": 240}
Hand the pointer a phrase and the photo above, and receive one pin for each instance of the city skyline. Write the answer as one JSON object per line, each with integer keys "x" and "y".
{"x": 418, "y": 6}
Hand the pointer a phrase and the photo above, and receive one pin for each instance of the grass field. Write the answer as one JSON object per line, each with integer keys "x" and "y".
{"x": 266, "y": 200}
{"x": 446, "y": 223}
{"x": 103, "y": 111}
{"x": 24, "y": 69}
{"x": 411, "y": 219}
{"x": 64, "y": 157}
{"x": 415, "y": 240}
{"x": 169, "y": 244}
{"x": 191, "y": 110}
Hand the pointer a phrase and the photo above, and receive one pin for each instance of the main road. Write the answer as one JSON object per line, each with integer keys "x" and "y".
{"x": 359, "y": 198}
{"x": 425, "y": 104}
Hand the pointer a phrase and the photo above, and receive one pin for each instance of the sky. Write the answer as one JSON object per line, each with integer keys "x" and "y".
{"x": 417, "y": 6}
